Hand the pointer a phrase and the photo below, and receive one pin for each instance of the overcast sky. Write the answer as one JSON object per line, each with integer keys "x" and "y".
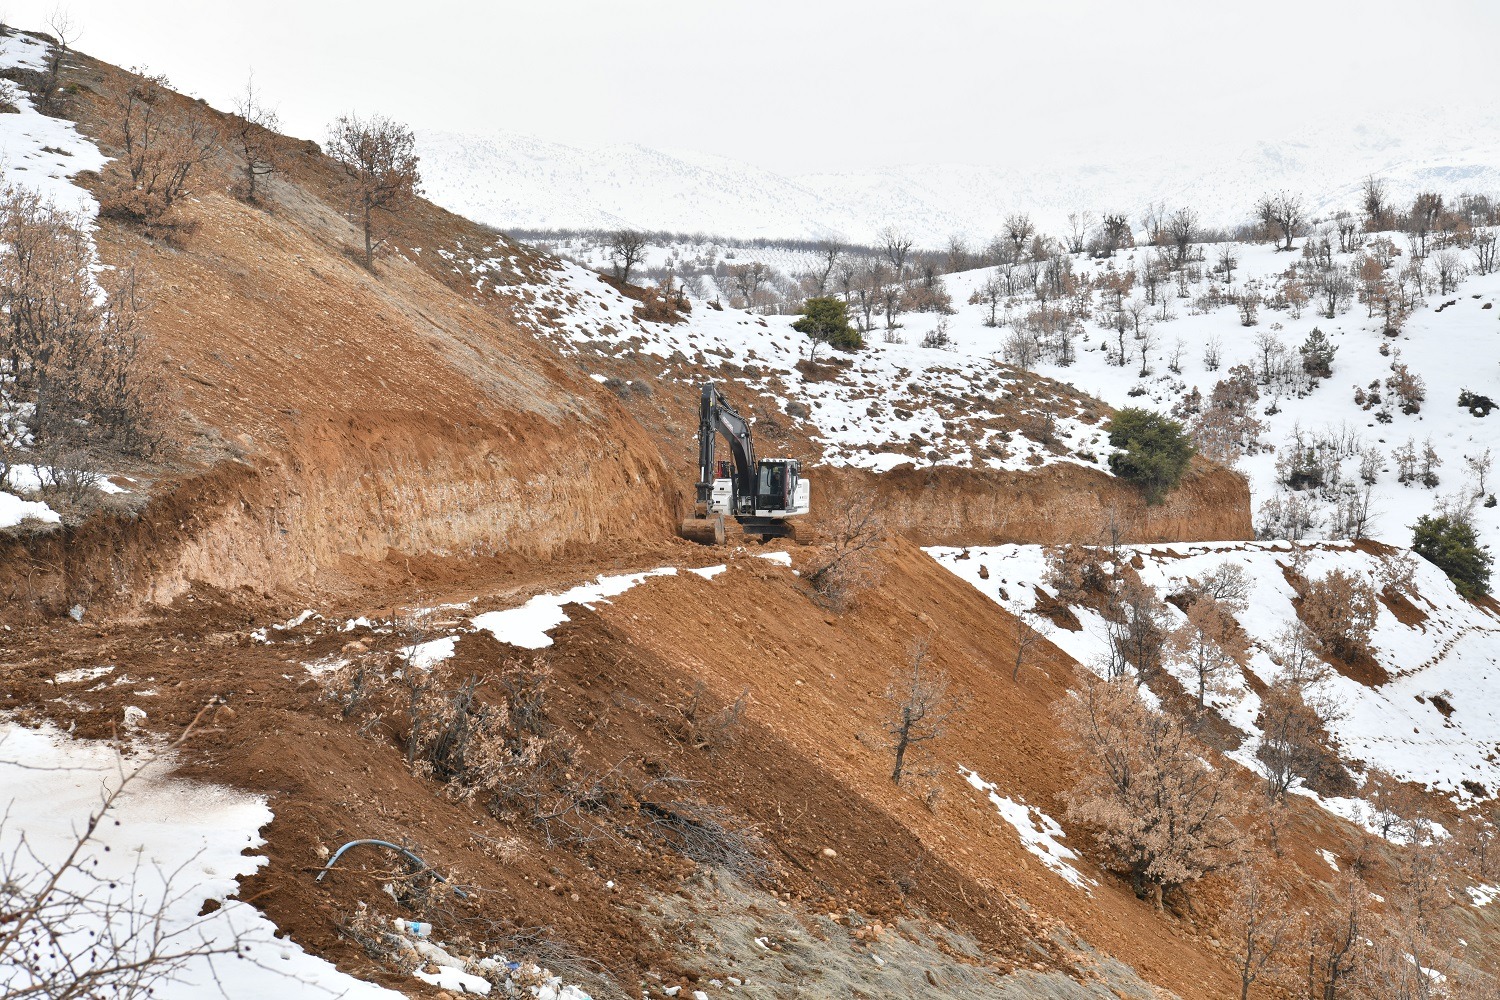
{"x": 797, "y": 85}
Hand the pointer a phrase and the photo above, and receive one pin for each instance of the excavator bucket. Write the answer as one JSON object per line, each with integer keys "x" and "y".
{"x": 704, "y": 530}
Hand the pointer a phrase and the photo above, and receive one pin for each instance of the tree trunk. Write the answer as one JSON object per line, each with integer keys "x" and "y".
{"x": 902, "y": 741}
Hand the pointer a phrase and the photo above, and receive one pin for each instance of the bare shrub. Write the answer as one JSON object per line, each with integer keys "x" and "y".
{"x": 848, "y": 562}
{"x": 1163, "y": 815}
{"x": 73, "y": 367}
{"x": 709, "y": 835}
{"x": 699, "y": 725}
{"x": 1340, "y": 610}
{"x": 162, "y": 139}
{"x": 923, "y": 707}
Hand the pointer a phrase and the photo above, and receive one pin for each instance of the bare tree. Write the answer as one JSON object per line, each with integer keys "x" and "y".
{"x": 896, "y": 245}
{"x": 957, "y": 256}
{"x": 1484, "y": 251}
{"x": 1076, "y": 238}
{"x": 748, "y": 280}
{"x": 65, "y": 32}
{"x": 1026, "y": 637}
{"x": 1283, "y": 216}
{"x": 626, "y": 247}
{"x": 923, "y": 707}
{"x": 1206, "y": 643}
{"x": 160, "y": 148}
{"x": 1450, "y": 270}
{"x": 1114, "y": 233}
{"x": 1262, "y": 928}
{"x": 990, "y": 294}
{"x": 1181, "y": 231}
{"x": 255, "y": 136}
{"x": 1019, "y": 232}
{"x": 1377, "y": 207}
{"x": 830, "y": 252}
{"x": 379, "y": 159}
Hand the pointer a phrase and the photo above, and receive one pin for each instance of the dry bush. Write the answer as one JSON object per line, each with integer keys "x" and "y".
{"x": 484, "y": 740}
{"x": 1076, "y": 572}
{"x": 1340, "y": 610}
{"x": 161, "y": 140}
{"x": 1165, "y": 817}
{"x": 697, "y": 724}
{"x": 848, "y": 563}
{"x": 74, "y": 372}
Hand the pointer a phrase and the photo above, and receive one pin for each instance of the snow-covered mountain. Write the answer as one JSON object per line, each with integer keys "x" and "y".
{"x": 514, "y": 181}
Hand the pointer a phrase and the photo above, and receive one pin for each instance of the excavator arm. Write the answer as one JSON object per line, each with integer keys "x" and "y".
{"x": 715, "y": 417}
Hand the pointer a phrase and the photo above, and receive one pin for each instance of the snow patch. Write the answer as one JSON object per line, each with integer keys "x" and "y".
{"x": 1040, "y": 834}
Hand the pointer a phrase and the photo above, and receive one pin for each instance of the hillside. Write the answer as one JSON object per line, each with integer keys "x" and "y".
{"x": 553, "y": 186}
{"x": 412, "y": 690}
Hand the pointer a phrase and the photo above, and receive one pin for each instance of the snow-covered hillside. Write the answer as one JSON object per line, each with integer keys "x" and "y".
{"x": 514, "y": 181}
{"x": 1453, "y": 344}
{"x": 1435, "y": 721}
{"x": 894, "y": 403}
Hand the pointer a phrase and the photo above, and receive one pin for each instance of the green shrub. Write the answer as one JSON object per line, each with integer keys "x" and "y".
{"x": 825, "y": 320}
{"x": 1450, "y": 545}
{"x": 1153, "y": 452}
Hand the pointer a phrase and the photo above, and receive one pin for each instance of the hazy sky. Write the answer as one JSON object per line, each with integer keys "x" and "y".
{"x": 815, "y": 84}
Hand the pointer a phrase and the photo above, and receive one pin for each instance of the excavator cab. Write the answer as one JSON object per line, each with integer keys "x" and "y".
{"x": 779, "y": 488}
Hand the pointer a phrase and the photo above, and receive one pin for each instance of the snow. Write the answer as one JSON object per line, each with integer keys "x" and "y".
{"x": 38, "y": 151}
{"x": 528, "y": 625}
{"x": 1454, "y": 654}
{"x": 175, "y": 845}
{"x": 426, "y": 655}
{"x": 554, "y": 186}
{"x": 14, "y": 510}
{"x": 1483, "y": 895}
{"x": 1040, "y": 834}
{"x": 82, "y": 674}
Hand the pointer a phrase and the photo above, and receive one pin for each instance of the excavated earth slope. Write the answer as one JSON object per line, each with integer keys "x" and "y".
{"x": 362, "y": 443}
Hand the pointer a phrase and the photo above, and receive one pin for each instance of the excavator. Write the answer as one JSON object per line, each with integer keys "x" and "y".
{"x": 758, "y": 493}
